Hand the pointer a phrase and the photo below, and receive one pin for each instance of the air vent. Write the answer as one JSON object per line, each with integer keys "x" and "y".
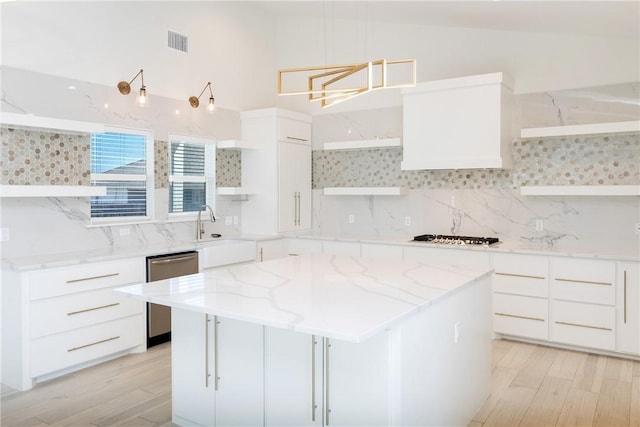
{"x": 178, "y": 41}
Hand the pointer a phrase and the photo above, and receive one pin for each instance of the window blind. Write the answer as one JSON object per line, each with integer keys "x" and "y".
{"x": 119, "y": 162}
{"x": 187, "y": 177}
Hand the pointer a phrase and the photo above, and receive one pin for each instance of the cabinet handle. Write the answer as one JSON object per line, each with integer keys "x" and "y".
{"x": 313, "y": 377}
{"x": 92, "y": 344}
{"x": 72, "y": 313}
{"x": 295, "y": 208}
{"x": 206, "y": 350}
{"x": 171, "y": 260}
{"x": 298, "y": 209}
{"x": 588, "y": 282}
{"x": 519, "y": 317}
{"x": 625, "y": 295}
{"x": 326, "y": 382}
{"x": 583, "y": 326}
{"x": 297, "y": 139}
{"x": 216, "y": 322}
{"x": 526, "y": 276}
{"x": 261, "y": 255}
{"x": 84, "y": 279}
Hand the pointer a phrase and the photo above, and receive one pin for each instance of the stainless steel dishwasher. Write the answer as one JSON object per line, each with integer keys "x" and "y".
{"x": 165, "y": 267}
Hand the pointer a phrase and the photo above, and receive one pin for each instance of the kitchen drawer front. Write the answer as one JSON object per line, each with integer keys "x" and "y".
{"x": 294, "y": 131}
{"x": 341, "y": 248}
{"x": 54, "y": 315}
{"x": 53, "y": 282}
{"x": 521, "y": 274}
{"x": 587, "y": 325}
{"x": 55, "y": 352}
{"x": 471, "y": 259}
{"x": 583, "y": 280}
{"x": 521, "y": 316}
{"x": 373, "y": 250}
{"x": 304, "y": 246}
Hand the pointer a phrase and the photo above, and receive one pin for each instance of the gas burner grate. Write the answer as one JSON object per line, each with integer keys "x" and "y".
{"x": 456, "y": 240}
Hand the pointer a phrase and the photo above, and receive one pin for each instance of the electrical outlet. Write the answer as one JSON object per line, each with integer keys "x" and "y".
{"x": 456, "y": 332}
{"x": 453, "y": 200}
{"x": 124, "y": 232}
{"x": 539, "y": 225}
{"x": 4, "y": 234}
{"x": 228, "y": 220}
{"x": 407, "y": 221}
{"x": 636, "y": 228}
{"x": 352, "y": 218}
{"x": 236, "y": 220}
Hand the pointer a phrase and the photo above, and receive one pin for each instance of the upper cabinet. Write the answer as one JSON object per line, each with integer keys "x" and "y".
{"x": 461, "y": 123}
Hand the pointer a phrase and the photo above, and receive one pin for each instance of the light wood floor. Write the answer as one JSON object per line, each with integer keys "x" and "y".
{"x": 531, "y": 386}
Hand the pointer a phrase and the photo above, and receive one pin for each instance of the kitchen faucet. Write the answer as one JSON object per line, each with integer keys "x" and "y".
{"x": 199, "y": 225}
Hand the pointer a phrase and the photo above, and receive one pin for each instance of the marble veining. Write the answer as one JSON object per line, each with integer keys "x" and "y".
{"x": 337, "y": 297}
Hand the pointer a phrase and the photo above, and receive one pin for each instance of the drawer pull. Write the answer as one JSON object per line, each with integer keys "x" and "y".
{"x": 93, "y": 278}
{"x": 92, "y": 309}
{"x": 625, "y": 296}
{"x": 519, "y": 317}
{"x": 588, "y": 282}
{"x": 583, "y": 326}
{"x": 519, "y": 275}
{"x": 92, "y": 344}
{"x": 297, "y": 139}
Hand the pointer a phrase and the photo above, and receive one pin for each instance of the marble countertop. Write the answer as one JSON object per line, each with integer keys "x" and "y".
{"x": 340, "y": 297}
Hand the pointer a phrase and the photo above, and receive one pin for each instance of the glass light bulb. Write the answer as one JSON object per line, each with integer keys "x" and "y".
{"x": 212, "y": 105}
{"x": 142, "y": 98}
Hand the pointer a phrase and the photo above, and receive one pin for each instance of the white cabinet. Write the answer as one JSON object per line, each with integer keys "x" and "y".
{"x": 459, "y": 123}
{"x": 217, "y": 370}
{"x": 628, "y": 308}
{"x": 334, "y": 247}
{"x": 278, "y": 169}
{"x": 520, "y": 295}
{"x": 475, "y": 260}
{"x": 583, "y": 302}
{"x": 57, "y": 320}
{"x": 271, "y": 249}
{"x": 304, "y": 246}
{"x": 374, "y": 250}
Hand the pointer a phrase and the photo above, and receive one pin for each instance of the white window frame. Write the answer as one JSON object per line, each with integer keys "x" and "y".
{"x": 209, "y": 173}
{"x": 148, "y": 179}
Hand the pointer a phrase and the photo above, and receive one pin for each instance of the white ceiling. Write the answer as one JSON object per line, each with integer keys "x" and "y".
{"x": 580, "y": 17}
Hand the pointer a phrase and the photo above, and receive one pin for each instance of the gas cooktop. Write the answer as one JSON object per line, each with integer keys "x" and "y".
{"x": 457, "y": 240}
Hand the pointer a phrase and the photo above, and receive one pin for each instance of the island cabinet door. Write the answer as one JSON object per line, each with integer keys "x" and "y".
{"x": 357, "y": 382}
{"x": 192, "y": 364}
{"x": 293, "y": 378}
{"x": 239, "y": 373}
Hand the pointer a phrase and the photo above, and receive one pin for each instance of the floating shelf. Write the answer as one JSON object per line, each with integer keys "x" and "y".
{"x": 588, "y": 129}
{"x": 361, "y": 144}
{"x": 364, "y": 191}
{"x": 50, "y": 123}
{"x": 51, "y": 191}
{"x": 234, "y": 191}
{"x": 580, "y": 190}
{"x": 235, "y": 144}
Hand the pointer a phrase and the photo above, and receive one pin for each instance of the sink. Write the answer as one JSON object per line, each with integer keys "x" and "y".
{"x": 217, "y": 252}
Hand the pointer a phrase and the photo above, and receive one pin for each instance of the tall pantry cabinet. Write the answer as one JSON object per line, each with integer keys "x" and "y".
{"x": 279, "y": 169}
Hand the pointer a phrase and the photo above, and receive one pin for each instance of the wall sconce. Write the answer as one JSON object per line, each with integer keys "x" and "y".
{"x": 194, "y": 101}
{"x": 125, "y": 88}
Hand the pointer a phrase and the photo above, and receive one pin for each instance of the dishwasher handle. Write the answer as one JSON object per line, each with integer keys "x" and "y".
{"x": 170, "y": 260}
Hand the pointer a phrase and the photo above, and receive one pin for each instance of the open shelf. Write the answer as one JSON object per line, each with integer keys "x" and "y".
{"x": 49, "y": 123}
{"x": 364, "y": 191}
{"x": 363, "y": 144}
{"x": 235, "y": 144}
{"x": 51, "y": 191}
{"x": 580, "y": 190}
{"x": 588, "y": 129}
{"x": 234, "y": 191}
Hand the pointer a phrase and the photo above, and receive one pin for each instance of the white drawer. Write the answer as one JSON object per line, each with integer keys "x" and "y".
{"x": 584, "y": 280}
{"x": 521, "y": 316}
{"x": 53, "y": 282}
{"x": 55, "y": 352}
{"x": 294, "y": 131}
{"x": 233, "y": 252}
{"x": 587, "y": 325}
{"x": 53, "y": 315}
{"x": 521, "y": 274}
{"x": 341, "y": 248}
{"x": 304, "y": 246}
{"x": 372, "y": 250}
{"x": 475, "y": 260}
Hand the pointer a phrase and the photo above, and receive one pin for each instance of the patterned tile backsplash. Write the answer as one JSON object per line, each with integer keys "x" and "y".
{"x": 35, "y": 157}
{"x": 43, "y": 158}
{"x": 576, "y": 160}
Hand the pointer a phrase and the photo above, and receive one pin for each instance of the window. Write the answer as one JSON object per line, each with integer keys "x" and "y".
{"x": 122, "y": 161}
{"x": 191, "y": 173}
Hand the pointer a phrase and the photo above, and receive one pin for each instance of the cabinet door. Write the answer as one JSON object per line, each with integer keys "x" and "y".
{"x": 293, "y": 378}
{"x": 240, "y": 371}
{"x": 304, "y": 246}
{"x": 294, "y": 186}
{"x": 271, "y": 249}
{"x": 340, "y": 248}
{"x": 357, "y": 382}
{"x": 193, "y": 388}
{"x": 628, "y": 308}
{"x": 477, "y": 260}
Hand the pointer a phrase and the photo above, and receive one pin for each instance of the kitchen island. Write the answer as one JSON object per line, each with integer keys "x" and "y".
{"x": 327, "y": 340}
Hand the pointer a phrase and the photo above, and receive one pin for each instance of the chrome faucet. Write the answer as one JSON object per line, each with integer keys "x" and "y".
{"x": 199, "y": 225}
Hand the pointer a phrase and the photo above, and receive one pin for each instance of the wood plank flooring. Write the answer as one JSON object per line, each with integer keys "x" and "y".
{"x": 531, "y": 386}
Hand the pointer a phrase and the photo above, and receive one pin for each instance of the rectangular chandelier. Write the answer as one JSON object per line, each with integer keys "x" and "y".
{"x": 332, "y": 84}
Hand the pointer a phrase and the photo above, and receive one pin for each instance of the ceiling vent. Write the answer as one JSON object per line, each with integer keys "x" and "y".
{"x": 178, "y": 41}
